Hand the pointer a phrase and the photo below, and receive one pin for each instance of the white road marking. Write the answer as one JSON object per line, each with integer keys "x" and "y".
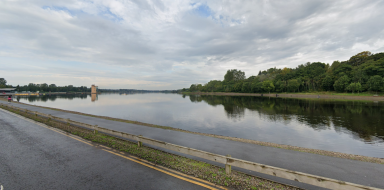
{"x": 1, "y": 187}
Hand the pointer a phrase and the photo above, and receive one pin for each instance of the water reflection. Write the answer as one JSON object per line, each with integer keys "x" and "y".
{"x": 45, "y": 98}
{"x": 365, "y": 119}
{"x": 93, "y": 97}
{"x": 343, "y": 126}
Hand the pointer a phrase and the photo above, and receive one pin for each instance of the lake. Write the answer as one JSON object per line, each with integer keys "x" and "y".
{"x": 355, "y": 127}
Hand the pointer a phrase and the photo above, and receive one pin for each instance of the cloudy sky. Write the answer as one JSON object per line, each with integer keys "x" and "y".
{"x": 171, "y": 44}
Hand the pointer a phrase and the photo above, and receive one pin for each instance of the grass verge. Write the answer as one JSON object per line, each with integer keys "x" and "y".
{"x": 202, "y": 170}
{"x": 330, "y": 93}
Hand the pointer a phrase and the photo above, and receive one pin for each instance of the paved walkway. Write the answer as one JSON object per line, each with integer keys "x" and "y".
{"x": 35, "y": 157}
{"x": 363, "y": 173}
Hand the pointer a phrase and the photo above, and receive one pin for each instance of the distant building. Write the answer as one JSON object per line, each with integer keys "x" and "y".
{"x": 94, "y": 89}
{"x": 7, "y": 90}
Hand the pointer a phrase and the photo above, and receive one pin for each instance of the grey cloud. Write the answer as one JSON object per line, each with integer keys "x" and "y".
{"x": 153, "y": 38}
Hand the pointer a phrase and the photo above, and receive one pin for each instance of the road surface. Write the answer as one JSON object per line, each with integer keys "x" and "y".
{"x": 33, "y": 156}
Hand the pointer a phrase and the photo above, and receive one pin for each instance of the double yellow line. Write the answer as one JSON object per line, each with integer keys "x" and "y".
{"x": 167, "y": 171}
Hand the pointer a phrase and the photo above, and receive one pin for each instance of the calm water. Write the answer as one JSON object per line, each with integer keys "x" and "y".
{"x": 354, "y": 127}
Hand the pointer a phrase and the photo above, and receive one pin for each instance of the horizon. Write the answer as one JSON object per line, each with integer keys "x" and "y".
{"x": 171, "y": 45}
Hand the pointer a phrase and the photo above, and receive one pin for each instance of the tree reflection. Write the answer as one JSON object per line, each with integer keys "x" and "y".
{"x": 362, "y": 119}
{"x": 52, "y": 98}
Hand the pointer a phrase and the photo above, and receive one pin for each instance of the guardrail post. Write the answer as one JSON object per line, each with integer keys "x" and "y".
{"x": 139, "y": 143}
{"x": 228, "y": 167}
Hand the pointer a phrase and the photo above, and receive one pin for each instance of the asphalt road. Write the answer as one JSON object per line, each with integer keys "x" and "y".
{"x": 363, "y": 173}
{"x": 35, "y": 157}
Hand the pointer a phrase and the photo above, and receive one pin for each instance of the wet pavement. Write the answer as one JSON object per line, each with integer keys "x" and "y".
{"x": 34, "y": 157}
{"x": 364, "y": 173}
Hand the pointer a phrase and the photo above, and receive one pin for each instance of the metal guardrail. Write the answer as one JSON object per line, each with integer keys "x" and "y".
{"x": 227, "y": 160}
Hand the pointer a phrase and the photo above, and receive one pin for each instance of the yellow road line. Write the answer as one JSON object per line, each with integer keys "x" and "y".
{"x": 131, "y": 159}
{"x": 174, "y": 171}
{"x": 158, "y": 169}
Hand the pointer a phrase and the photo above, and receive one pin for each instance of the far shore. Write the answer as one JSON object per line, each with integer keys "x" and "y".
{"x": 320, "y": 95}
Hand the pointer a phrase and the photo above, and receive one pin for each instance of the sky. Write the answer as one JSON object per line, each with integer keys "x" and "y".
{"x": 170, "y": 44}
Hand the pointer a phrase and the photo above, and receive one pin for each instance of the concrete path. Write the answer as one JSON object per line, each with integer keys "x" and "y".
{"x": 363, "y": 173}
{"x": 35, "y": 157}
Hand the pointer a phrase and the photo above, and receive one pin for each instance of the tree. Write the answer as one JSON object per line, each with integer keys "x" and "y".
{"x": 52, "y": 87}
{"x": 327, "y": 83}
{"x": 3, "y": 82}
{"x": 32, "y": 87}
{"x": 256, "y": 86}
{"x": 293, "y": 85}
{"x": 279, "y": 86}
{"x": 44, "y": 87}
{"x": 228, "y": 76}
{"x": 358, "y": 87}
{"x": 372, "y": 68}
{"x": 375, "y": 83}
{"x": 268, "y": 86}
{"x": 199, "y": 87}
{"x": 359, "y": 58}
{"x": 193, "y": 88}
{"x": 234, "y": 75}
{"x": 359, "y": 75}
{"x": 342, "y": 83}
{"x": 352, "y": 87}
{"x": 246, "y": 87}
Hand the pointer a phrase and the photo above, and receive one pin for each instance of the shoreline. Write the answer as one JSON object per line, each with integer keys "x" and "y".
{"x": 249, "y": 141}
{"x": 300, "y": 96}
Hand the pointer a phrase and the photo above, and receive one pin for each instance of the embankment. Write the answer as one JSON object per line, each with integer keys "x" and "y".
{"x": 306, "y": 96}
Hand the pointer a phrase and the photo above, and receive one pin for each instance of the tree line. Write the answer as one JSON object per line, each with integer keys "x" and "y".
{"x": 44, "y": 87}
{"x": 362, "y": 72}
{"x": 51, "y": 88}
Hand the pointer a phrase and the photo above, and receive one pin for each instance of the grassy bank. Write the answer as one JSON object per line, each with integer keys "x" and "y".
{"x": 202, "y": 170}
{"x": 314, "y": 95}
{"x": 336, "y": 93}
{"x": 299, "y": 93}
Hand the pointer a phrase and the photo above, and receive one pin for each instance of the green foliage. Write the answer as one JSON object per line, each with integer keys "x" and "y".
{"x": 234, "y": 75}
{"x": 3, "y": 83}
{"x": 293, "y": 85}
{"x": 359, "y": 58}
{"x": 280, "y": 86}
{"x": 373, "y": 68}
{"x": 237, "y": 87}
{"x": 193, "y": 88}
{"x": 376, "y": 83}
{"x": 342, "y": 83}
{"x": 309, "y": 77}
{"x": 327, "y": 83}
{"x": 51, "y": 88}
{"x": 352, "y": 87}
{"x": 358, "y": 87}
{"x": 257, "y": 86}
{"x": 246, "y": 87}
{"x": 268, "y": 86}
